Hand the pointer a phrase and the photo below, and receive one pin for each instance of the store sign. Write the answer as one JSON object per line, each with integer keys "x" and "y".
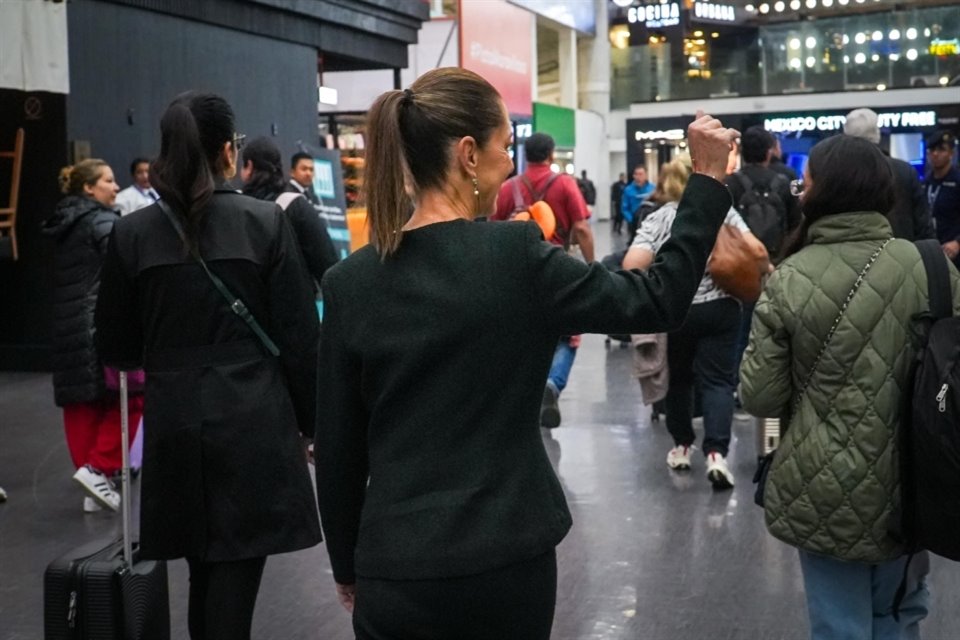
{"x": 496, "y": 41}
{"x": 655, "y": 16}
{"x": 669, "y": 134}
{"x": 893, "y": 120}
{"x": 945, "y": 47}
{"x": 715, "y": 11}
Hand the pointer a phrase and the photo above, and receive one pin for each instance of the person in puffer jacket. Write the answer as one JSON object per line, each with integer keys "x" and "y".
{"x": 833, "y": 488}
{"x": 81, "y": 228}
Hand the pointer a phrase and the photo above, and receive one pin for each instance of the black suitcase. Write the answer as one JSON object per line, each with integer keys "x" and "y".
{"x": 101, "y": 591}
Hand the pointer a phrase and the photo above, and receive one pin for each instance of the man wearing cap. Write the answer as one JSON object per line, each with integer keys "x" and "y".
{"x": 910, "y": 215}
{"x": 943, "y": 192}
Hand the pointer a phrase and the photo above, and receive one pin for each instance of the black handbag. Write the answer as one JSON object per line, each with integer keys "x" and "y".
{"x": 766, "y": 462}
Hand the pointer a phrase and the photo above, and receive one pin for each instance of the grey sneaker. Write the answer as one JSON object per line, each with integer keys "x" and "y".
{"x": 98, "y": 487}
{"x": 550, "y": 408}
{"x": 718, "y": 472}
{"x": 90, "y": 505}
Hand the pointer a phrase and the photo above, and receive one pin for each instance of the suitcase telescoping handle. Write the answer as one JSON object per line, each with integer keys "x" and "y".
{"x": 125, "y": 472}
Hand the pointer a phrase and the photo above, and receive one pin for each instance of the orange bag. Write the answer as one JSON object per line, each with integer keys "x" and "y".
{"x": 738, "y": 263}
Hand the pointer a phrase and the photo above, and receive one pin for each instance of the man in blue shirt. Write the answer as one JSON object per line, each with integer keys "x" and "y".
{"x": 943, "y": 192}
{"x": 633, "y": 196}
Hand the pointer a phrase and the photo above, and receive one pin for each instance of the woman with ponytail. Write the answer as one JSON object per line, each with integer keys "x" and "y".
{"x": 91, "y": 412}
{"x": 225, "y": 480}
{"x": 439, "y": 504}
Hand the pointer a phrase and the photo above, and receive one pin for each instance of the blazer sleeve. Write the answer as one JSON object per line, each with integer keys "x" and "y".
{"x": 119, "y": 336}
{"x": 577, "y": 298}
{"x": 766, "y": 380}
{"x": 341, "y": 442}
{"x": 294, "y": 324}
{"x": 314, "y": 239}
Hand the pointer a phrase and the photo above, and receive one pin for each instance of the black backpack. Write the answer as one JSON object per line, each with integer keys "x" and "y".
{"x": 764, "y": 211}
{"x": 930, "y": 427}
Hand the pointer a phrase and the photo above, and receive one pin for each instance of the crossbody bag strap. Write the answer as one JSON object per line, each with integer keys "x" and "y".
{"x": 236, "y": 304}
{"x": 836, "y": 322}
{"x": 938, "y": 278}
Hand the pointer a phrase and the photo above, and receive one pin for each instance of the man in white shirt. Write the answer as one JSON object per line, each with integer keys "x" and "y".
{"x": 140, "y": 194}
{"x": 301, "y": 177}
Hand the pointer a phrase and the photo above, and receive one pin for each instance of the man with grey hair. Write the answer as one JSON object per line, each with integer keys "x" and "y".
{"x": 910, "y": 216}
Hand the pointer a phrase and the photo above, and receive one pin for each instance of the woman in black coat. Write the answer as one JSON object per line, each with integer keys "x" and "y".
{"x": 225, "y": 478}
{"x": 80, "y": 228}
{"x": 439, "y": 505}
{"x": 262, "y": 175}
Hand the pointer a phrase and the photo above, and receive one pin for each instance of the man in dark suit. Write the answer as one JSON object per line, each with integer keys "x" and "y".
{"x": 910, "y": 216}
{"x": 301, "y": 177}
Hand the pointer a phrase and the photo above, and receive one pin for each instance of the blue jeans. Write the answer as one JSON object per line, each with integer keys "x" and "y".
{"x": 563, "y": 358}
{"x": 854, "y": 601}
{"x": 700, "y": 355}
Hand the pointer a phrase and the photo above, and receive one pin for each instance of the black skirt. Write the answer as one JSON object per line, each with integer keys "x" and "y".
{"x": 516, "y": 601}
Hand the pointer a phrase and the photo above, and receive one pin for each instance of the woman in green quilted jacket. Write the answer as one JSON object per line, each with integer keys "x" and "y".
{"x": 829, "y": 348}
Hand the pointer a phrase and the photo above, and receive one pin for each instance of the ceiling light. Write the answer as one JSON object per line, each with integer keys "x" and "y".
{"x": 877, "y": 36}
{"x": 811, "y": 4}
{"x": 846, "y": 39}
{"x": 764, "y": 8}
{"x": 860, "y": 58}
{"x": 926, "y": 32}
{"x": 881, "y": 87}
{"x": 894, "y": 34}
{"x": 715, "y": 34}
{"x": 944, "y": 80}
{"x": 826, "y": 3}
{"x": 794, "y": 43}
{"x": 779, "y": 6}
{"x": 875, "y": 57}
{"x": 911, "y": 34}
{"x": 811, "y": 42}
{"x": 750, "y": 8}
{"x": 795, "y": 63}
{"x": 794, "y": 5}
{"x": 894, "y": 57}
{"x": 860, "y": 38}
{"x": 843, "y": 2}
{"x": 911, "y": 54}
{"x": 811, "y": 61}
{"x": 698, "y": 34}
{"x": 846, "y": 59}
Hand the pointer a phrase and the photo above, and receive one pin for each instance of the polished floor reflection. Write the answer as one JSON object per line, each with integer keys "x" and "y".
{"x": 653, "y": 554}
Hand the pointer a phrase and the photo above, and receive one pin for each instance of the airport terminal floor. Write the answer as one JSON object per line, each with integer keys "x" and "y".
{"x": 653, "y": 554}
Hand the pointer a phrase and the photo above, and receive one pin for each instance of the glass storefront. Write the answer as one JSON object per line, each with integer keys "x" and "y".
{"x": 918, "y": 47}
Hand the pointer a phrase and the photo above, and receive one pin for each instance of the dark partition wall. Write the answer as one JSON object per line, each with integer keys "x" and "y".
{"x": 126, "y": 64}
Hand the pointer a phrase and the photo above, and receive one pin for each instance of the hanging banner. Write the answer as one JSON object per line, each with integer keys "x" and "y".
{"x": 328, "y": 185}
{"x": 496, "y": 41}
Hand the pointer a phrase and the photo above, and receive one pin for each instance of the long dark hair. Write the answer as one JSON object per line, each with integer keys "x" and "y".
{"x": 848, "y": 174}
{"x": 266, "y": 182}
{"x": 193, "y": 131}
{"x": 408, "y": 142}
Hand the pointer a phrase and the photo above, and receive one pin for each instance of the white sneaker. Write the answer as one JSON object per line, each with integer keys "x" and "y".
{"x": 718, "y": 472}
{"x": 678, "y": 458}
{"x": 98, "y": 486}
{"x": 90, "y": 505}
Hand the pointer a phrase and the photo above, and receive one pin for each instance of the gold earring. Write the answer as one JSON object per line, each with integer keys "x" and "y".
{"x": 476, "y": 193}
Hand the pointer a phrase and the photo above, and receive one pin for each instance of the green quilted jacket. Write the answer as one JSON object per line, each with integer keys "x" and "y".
{"x": 834, "y": 483}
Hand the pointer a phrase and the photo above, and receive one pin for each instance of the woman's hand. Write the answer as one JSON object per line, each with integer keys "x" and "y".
{"x": 347, "y": 595}
{"x": 710, "y": 144}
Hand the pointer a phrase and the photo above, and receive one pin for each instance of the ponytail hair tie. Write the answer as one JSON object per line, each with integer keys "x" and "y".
{"x": 407, "y": 95}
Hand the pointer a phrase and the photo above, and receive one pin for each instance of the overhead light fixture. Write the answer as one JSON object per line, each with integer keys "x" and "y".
{"x": 811, "y": 42}
{"x": 911, "y": 34}
{"x": 764, "y": 8}
{"x": 844, "y": 2}
{"x": 811, "y": 61}
{"x": 926, "y": 32}
{"x": 881, "y": 87}
{"x": 846, "y": 39}
{"x": 750, "y": 8}
{"x": 860, "y": 38}
{"x": 826, "y": 3}
{"x": 811, "y": 4}
{"x": 794, "y": 43}
{"x": 715, "y": 34}
{"x": 779, "y": 6}
{"x": 795, "y": 63}
{"x": 894, "y": 34}
{"x": 860, "y": 58}
{"x": 911, "y": 54}
{"x": 846, "y": 59}
{"x": 794, "y": 5}
{"x": 944, "y": 80}
{"x": 698, "y": 34}
{"x": 894, "y": 57}
{"x": 877, "y": 36}
{"x": 875, "y": 57}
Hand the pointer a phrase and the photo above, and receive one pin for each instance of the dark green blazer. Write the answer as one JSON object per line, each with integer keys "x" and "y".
{"x": 432, "y": 368}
